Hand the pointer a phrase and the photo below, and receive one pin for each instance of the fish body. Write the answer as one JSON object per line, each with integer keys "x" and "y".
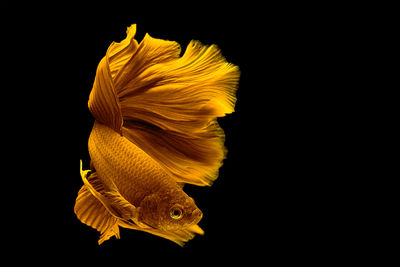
{"x": 125, "y": 167}
{"x": 155, "y": 130}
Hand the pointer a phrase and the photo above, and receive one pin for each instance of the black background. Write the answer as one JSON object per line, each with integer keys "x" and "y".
{"x": 262, "y": 206}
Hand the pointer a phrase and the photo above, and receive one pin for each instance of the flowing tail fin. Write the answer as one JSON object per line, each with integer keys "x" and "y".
{"x": 168, "y": 104}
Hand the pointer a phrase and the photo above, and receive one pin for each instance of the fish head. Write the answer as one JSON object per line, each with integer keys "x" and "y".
{"x": 172, "y": 211}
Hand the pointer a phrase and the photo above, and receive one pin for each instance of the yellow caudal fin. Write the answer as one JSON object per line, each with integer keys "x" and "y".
{"x": 168, "y": 104}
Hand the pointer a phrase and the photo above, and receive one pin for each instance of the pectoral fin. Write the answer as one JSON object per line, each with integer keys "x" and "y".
{"x": 112, "y": 201}
{"x": 100, "y": 209}
{"x": 91, "y": 212}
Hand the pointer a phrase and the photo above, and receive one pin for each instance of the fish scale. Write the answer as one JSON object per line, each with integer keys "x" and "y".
{"x": 118, "y": 162}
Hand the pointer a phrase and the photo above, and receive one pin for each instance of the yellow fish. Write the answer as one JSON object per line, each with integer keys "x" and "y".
{"x": 155, "y": 130}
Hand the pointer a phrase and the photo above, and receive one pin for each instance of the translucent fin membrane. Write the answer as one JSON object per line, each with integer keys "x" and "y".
{"x": 167, "y": 104}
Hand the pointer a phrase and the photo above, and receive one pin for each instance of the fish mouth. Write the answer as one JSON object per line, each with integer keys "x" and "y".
{"x": 197, "y": 215}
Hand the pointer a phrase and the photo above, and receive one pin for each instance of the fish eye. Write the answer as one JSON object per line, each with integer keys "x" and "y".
{"x": 176, "y": 213}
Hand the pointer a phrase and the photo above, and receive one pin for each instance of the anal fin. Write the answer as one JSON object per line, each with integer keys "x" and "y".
{"x": 178, "y": 236}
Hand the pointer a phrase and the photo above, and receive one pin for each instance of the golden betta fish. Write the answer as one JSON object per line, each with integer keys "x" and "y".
{"x": 155, "y": 129}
